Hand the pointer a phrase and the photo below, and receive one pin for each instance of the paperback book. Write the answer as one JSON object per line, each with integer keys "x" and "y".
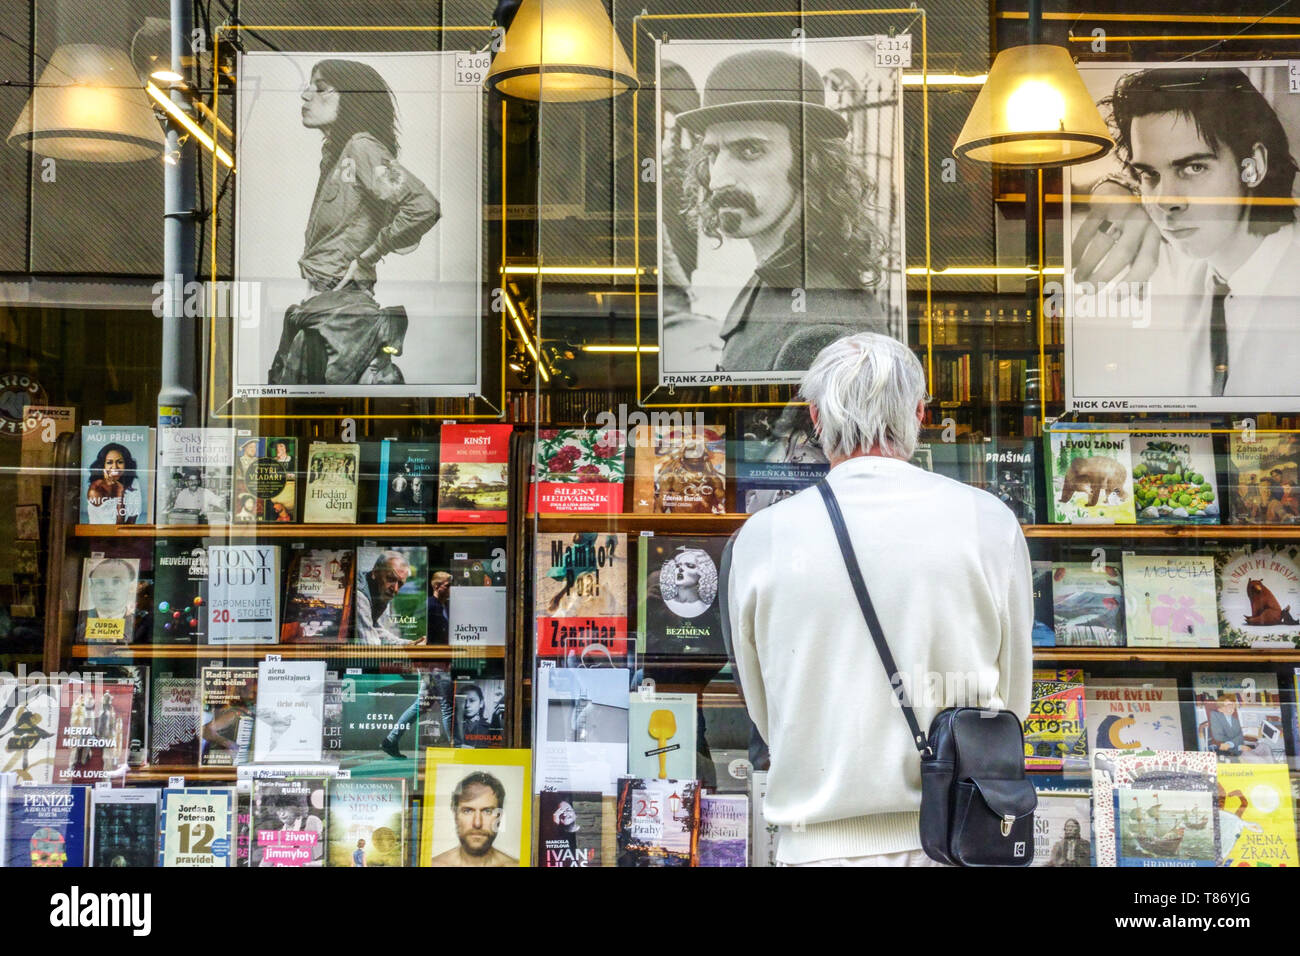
{"x": 1174, "y": 478}
{"x": 266, "y": 480}
{"x": 569, "y": 828}
{"x": 391, "y": 596}
{"x": 1056, "y": 737}
{"x": 332, "y": 471}
{"x": 194, "y": 476}
{"x": 229, "y": 695}
{"x": 124, "y": 827}
{"x": 1164, "y": 827}
{"x": 1088, "y": 474}
{"x": 581, "y": 598}
{"x": 661, "y": 731}
{"x": 473, "y": 476}
{"x": 1263, "y": 475}
{"x": 1009, "y": 476}
{"x": 380, "y": 714}
{"x": 1170, "y": 600}
{"x": 288, "y": 821}
{"x": 680, "y": 470}
{"x": 94, "y": 731}
{"x": 1256, "y": 820}
{"x": 290, "y": 712}
{"x": 658, "y": 822}
{"x": 107, "y": 612}
{"x": 1133, "y": 714}
{"x": 480, "y": 712}
{"x": 678, "y": 614}
{"x": 1044, "y": 632}
{"x": 243, "y": 594}
{"x": 1062, "y": 829}
{"x": 724, "y": 830}
{"x": 45, "y": 826}
{"x": 180, "y": 591}
{"x": 1087, "y": 605}
{"x": 1239, "y": 716}
{"x": 582, "y": 724}
{"x": 318, "y": 596}
{"x": 196, "y": 826}
{"x": 1259, "y": 597}
{"x": 406, "y": 482}
{"x": 29, "y": 720}
{"x": 779, "y": 456}
{"x": 578, "y": 471}
{"x": 117, "y": 474}
{"x": 476, "y": 610}
{"x": 437, "y": 705}
{"x": 367, "y": 822}
{"x": 175, "y": 706}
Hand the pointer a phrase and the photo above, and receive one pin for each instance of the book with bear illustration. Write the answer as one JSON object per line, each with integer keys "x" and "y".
{"x": 1174, "y": 477}
{"x": 1089, "y": 474}
{"x": 1259, "y": 596}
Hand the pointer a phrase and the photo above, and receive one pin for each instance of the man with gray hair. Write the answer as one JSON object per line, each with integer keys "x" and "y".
{"x": 949, "y": 574}
{"x": 375, "y": 621}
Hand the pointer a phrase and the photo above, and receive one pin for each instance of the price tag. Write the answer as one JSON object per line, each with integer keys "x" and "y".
{"x": 95, "y": 421}
{"x": 894, "y": 51}
{"x": 471, "y": 68}
{"x": 647, "y": 534}
{"x": 1293, "y": 76}
{"x": 273, "y": 658}
{"x": 460, "y": 556}
{"x": 344, "y": 774}
{"x": 176, "y": 783}
{"x": 103, "y": 784}
{"x": 353, "y": 670}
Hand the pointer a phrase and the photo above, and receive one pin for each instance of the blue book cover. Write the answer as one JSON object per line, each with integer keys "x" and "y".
{"x": 407, "y": 482}
{"x": 779, "y": 456}
{"x": 47, "y": 827}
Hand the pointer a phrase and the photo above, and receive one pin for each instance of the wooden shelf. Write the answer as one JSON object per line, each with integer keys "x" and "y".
{"x": 1195, "y": 655}
{"x": 1093, "y": 532}
{"x": 686, "y": 524}
{"x": 291, "y": 531}
{"x": 192, "y": 775}
{"x": 360, "y": 652}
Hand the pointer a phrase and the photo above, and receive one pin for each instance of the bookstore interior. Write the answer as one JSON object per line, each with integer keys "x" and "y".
{"x": 452, "y": 598}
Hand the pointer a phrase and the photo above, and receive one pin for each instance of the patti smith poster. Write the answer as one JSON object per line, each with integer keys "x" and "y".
{"x": 779, "y": 205}
{"x": 359, "y": 219}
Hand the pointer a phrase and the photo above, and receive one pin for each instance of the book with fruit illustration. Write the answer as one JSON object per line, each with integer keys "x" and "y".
{"x": 1173, "y": 478}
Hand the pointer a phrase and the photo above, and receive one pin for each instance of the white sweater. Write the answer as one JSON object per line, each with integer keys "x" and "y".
{"x": 949, "y": 574}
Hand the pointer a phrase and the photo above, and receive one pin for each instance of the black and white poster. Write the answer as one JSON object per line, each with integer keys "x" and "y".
{"x": 358, "y": 226}
{"x": 1181, "y": 287}
{"x": 780, "y": 204}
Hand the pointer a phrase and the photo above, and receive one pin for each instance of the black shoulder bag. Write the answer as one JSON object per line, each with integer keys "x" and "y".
{"x": 977, "y": 807}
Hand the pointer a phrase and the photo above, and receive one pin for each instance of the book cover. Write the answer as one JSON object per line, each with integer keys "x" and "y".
{"x": 480, "y": 712}
{"x": 194, "y": 480}
{"x": 1169, "y": 600}
{"x": 1062, "y": 829}
{"x": 437, "y": 704}
{"x": 367, "y": 822}
{"x": 243, "y": 594}
{"x": 658, "y": 822}
{"x": 1259, "y": 596}
{"x": 1089, "y": 480}
{"x": 1087, "y": 604}
{"x": 380, "y": 714}
{"x": 661, "y": 732}
{"x": 180, "y": 591}
{"x": 1164, "y": 827}
{"x": 318, "y": 596}
{"x": 779, "y": 456}
{"x": 724, "y": 830}
{"x": 124, "y": 827}
{"x": 94, "y": 731}
{"x": 406, "y": 486}
{"x": 229, "y": 697}
{"x": 332, "y": 718}
{"x": 1056, "y": 736}
{"x": 106, "y": 613}
{"x": 290, "y": 717}
{"x": 1044, "y": 633}
{"x": 477, "y": 808}
{"x": 581, "y": 727}
{"x": 1263, "y": 475}
{"x": 680, "y": 470}
{"x": 1009, "y": 476}
{"x": 578, "y": 471}
{"x": 473, "y": 478}
{"x": 678, "y": 614}
{"x": 569, "y": 828}
{"x": 196, "y": 827}
{"x": 1256, "y": 819}
{"x": 580, "y": 592}
{"x": 116, "y": 474}
{"x": 29, "y": 722}
{"x": 46, "y": 826}
{"x": 138, "y": 677}
{"x": 174, "y": 711}
{"x": 332, "y": 470}
{"x": 1133, "y": 713}
{"x": 1239, "y": 716}
{"x": 266, "y": 480}
{"x": 1174, "y": 477}
{"x": 243, "y": 826}
{"x": 391, "y": 598}
{"x": 288, "y": 821}
{"x": 765, "y": 834}
{"x": 42, "y": 426}
{"x": 476, "y": 601}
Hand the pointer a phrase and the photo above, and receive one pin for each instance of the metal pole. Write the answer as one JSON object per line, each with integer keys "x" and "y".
{"x": 177, "y": 404}
{"x": 1033, "y": 252}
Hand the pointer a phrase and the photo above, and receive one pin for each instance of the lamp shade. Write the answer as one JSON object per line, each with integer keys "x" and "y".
{"x": 89, "y": 105}
{"x": 1034, "y": 110}
{"x": 561, "y": 51}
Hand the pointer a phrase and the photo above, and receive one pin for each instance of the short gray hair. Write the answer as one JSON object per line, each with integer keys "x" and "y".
{"x": 866, "y": 388}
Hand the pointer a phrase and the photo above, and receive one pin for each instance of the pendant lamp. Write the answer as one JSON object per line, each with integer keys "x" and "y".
{"x": 88, "y": 105}
{"x": 561, "y": 51}
{"x": 1034, "y": 111}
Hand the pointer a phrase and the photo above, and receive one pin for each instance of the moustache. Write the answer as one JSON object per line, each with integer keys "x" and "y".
{"x": 734, "y": 199}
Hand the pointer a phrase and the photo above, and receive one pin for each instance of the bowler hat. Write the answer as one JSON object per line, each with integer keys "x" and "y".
{"x": 765, "y": 85}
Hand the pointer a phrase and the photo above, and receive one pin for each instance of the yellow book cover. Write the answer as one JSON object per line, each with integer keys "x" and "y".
{"x": 1256, "y": 825}
{"x": 477, "y": 808}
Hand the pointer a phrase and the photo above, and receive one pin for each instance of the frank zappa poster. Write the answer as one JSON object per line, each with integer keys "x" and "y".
{"x": 1181, "y": 287}
{"x": 359, "y": 219}
{"x": 779, "y": 204}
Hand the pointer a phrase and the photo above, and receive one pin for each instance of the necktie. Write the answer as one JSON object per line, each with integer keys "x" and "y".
{"x": 1219, "y": 337}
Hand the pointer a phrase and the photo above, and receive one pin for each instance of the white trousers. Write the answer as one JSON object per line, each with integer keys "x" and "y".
{"x": 905, "y": 858}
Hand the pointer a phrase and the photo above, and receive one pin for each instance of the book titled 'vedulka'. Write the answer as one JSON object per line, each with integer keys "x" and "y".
{"x": 581, "y": 594}
{"x": 243, "y": 594}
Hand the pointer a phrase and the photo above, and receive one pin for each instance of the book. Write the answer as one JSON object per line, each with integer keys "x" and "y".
{"x": 124, "y": 827}
{"x": 1239, "y": 716}
{"x": 138, "y": 676}
{"x": 1169, "y": 600}
{"x": 1256, "y": 818}
{"x": 765, "y": 835}
{"x": 581, "y": 727}
{"x": 569, "y": 828}
{"x": 290, "y": 712}
{"x": 318, "y": 596}
{"x": 229, "y": 696}
{"x": 1062, "y": 829}
{"x": 437, "y": 704}
{"x": 29, "y": 721}
{"x": 476, "y": 605}
{"x": 406, "y": 482}
{"x": 1164, "y": 827}
{"x": 661, "y": 731}
{"x": 1089, "y": 478}
{"x": 1263, "y": 473}
{"x": 93, "y": 737}
{"x": 678, "y": 614}
{"x": 1044, "y": 632}
{"x": 658, "y": 822}
{"x": 180, "y": 591}
{"x": 331, "y": 496}
{"x": 680, "y": 470}
{"x": 45, "y": 826}
{"x": 1056, "y": 736}
{"x": 779, "y": 456}
{"x": 288, "y": 821}
{"x": 175, "y": 705}
{"x": 473, "y": 476}
{"x": 724, "y": 830}
{"x": 1174, "y": 479}
{"x": 117, "y": 474}
{"x": 194, "y": 481}
{"x": 1087, "y": 604}
{"x": 367, "y": 822}
{"x": 1159, "y": 770}
{"x": 243, "y": 825}
{"x": 1259, "y": 596}
{"x": 1009, "y": 476}
{"x": 578, "y": 471}
{"x": 380, "y": 714}
{"x": 480, "y": 712}
{"x": 580, "y": 593}
{"x": 106, "y": 612}
{"x": 391, "y": 598}
{"x": 243, "y": 594}
{"x": 195, "y": 827}
{"x": 1133, "y": 713}
{"x": 332, "y": 718}
{"x": 266, "y": 480}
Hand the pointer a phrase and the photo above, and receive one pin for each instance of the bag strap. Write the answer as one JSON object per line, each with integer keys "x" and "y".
{"x": 869, "y": 613}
